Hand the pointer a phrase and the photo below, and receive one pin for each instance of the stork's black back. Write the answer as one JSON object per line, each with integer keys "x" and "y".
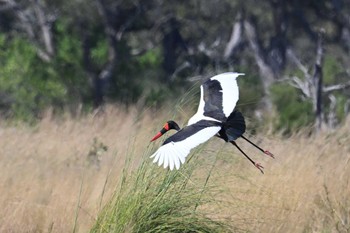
{"x": 234, "y": 127}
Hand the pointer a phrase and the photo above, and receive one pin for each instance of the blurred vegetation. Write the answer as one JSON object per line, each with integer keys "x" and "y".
{"x": 151, "y": 200}
{"x": 294, "y": 112}
{"x": 64, "y": 54}
{"x": 27, "y": 84}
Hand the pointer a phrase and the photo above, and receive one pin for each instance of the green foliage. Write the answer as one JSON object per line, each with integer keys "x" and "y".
{"x": 340, "y": 107}
{"x": 155, "y": 97}
{"x": 293, "y": 111}
{"x": 151, "y": 199}
{"x": 151, "y": 59}
{"x": 25, "y": 81}
{"x": 30, "y": 85}
{"x": 198, "y": 34}
{"x": 99, "y": 53}
{"x": 251, "y": 92}
{"x": 331, "y": 68}
{"x": 68, "y": 63}
{"x": 135, "y": 74}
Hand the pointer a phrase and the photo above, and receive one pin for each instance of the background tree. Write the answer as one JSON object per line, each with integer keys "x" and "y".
{"x": 145, "y": 51}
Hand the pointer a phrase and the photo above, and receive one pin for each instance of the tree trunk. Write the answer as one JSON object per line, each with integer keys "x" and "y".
{"x": 276, "y": 56}
{"x": 317, "y": 81}
{"x": 101, "y": 80}
{"x": 45, "y": 27}
{"x": 172, "y": 42}
{"x": 332, "y": 118}
{"x": 236, "y": 38}
{"x": 266, "y": 73}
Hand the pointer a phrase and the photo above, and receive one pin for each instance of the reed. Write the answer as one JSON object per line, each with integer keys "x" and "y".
{"x": 151, "y": 199}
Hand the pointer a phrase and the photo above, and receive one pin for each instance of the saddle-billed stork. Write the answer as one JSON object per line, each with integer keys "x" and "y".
{"x": 215, "y": 117}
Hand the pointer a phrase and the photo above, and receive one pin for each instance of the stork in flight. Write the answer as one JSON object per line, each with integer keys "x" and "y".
{"x": 215, "y": 117}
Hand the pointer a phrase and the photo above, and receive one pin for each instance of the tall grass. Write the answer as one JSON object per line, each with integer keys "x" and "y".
{"x": 62, "y": 175}
{"x": 151, "y": 199}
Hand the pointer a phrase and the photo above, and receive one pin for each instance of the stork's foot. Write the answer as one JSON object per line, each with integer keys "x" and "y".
{"x": 258, "y": 166}
{"x": 266, "y": 152}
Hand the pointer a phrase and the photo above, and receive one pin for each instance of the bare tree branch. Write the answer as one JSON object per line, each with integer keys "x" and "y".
{"x": 107, "y": 72}
{"x": 302, "y": 85}
{"x": 266, "y": 72}
{"x": 22, "y": 15}
{"x": 336, "y": 87}
{"x": 44, "y": 25}
{"x": 332, "y": 118}
{"x": 128, "y": 22}
{"x": 291, "y": 55}
{"x": 236, "y": 37}
{"x": 32, "y": 19}
{"x": 8, "y": 5}
{"x": 312, "y": 85}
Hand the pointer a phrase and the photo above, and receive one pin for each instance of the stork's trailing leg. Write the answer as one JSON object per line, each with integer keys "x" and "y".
{"x": 266, "y": 152}
{"x": 257, "y": 165}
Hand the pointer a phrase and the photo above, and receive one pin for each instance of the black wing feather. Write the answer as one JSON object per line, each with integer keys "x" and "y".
{"x": 212, "y": 95}
{"x": 234, "y": 127}
{"x": 190, "y": 130}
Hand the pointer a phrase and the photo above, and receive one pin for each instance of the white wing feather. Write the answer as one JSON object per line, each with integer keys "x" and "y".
{"x": 173, "y": 154}
{"x": 229, "y": 99}
{"x": 229, "y": 91}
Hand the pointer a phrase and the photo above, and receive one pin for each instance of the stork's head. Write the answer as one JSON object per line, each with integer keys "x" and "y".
{"x": 167, "y": 126}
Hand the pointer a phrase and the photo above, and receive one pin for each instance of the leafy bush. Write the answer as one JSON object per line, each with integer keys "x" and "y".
{"x": 293, "y": 111}
{"x": 250, "y": 91}
{"x": 27, "y": 84}
{"x": 67, "y": 63}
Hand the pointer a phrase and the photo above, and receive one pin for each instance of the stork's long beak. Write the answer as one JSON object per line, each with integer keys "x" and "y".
{"x": 161, "y": 132}
{"x": 158, "y": 135}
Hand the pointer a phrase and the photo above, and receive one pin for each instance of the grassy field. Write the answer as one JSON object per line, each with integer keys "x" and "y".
{"x": 59, "y": 175}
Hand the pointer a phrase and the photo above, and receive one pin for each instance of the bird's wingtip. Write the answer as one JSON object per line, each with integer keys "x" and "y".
{"x": 235, "y": 74}
{"x": 168, "y": 158}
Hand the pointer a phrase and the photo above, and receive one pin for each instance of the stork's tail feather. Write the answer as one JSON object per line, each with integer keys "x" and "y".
{"x": 235, "y": 126}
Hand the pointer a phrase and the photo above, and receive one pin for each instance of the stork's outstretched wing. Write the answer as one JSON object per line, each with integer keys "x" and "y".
{"x": 176, "y": 148}
{"x": 219, "y": 96}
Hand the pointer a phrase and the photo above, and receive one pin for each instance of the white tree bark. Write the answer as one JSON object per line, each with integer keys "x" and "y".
{"x": 35, "y": 21}
{"x": 317, "y": 87}
{"x": 266, "y": 73}
{"x": 236, "y": 38}
{"x": 44, "y": 25}
{"x": 312, "y": 87}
